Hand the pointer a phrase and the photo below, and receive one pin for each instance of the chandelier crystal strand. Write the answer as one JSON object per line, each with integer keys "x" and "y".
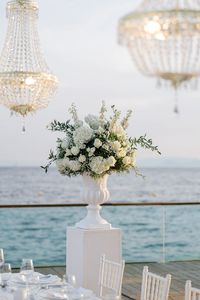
{"x": 163, "y": 38}
{"x": 26, "y": 82}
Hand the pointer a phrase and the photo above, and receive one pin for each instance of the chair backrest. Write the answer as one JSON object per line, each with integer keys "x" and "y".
{"x": 110, "y": 276}
{"x": 154, "y": 287}
{"x": 191, "y": 293}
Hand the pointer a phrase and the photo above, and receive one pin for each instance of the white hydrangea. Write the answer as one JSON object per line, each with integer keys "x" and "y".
{"x": 82, "y": 135}
{"x": 97, "y": 143}
{"x": 74, "y": 165}
{"x": 115, "y": 146}
{"x": 60, "y": 166}
{"x": 66, "y": 162}
{"x": 92, "y": 121}
{"x": 75, "y": 150}
{"x": 82, "y": 158}
{"x": 98, "y": 165}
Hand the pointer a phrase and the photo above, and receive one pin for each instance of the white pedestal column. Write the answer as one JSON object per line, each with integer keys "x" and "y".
{"x": 84, "y": 248}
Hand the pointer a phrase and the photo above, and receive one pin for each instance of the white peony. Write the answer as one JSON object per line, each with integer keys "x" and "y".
{"x": 82, "y": 158}
{"x": 97, "y": 143}
{"x": 75, "y": 150}
{"x": 92, "y": 121}
{"x": 82, "y": 135}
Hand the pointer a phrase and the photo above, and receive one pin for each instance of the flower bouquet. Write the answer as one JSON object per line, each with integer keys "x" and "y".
{"x": 95, "y": 148}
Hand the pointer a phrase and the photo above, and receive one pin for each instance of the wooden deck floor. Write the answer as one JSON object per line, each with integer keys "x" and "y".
{"x": 180, "y": 271}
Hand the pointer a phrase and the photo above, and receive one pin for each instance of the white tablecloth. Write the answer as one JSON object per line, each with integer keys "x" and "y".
{"x": 19, "y": 292}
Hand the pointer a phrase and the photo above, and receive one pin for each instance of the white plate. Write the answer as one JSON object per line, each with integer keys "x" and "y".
{"x": 37, "y": 279}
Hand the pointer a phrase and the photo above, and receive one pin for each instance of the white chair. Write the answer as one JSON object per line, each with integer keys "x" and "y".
{"x": 110, "y": 277}
{"x": 191, "y": 293}
{"x": 154, "y": 287}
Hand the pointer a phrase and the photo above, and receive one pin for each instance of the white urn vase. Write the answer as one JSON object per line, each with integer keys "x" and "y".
{"x": 94, "y": 193}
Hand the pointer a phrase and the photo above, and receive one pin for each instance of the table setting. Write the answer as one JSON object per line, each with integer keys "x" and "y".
{"x": 30, "y": 285}
{"x": 39, "y": 286}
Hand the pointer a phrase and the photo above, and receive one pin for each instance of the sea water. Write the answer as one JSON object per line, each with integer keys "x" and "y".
{"x": 150, "y": 233}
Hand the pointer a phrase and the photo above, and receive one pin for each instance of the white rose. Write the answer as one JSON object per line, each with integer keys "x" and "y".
{"x": 67, "y": 152}
{"x": 75, "y": 150}
{"x": 115, "y": 146}
{"x": 97, "y": 143}
{"x": 91, "y": 152}
{"x": 121, "y": 153}
{"x": 106, "y": 147}
{"x": 82, "y": 158}
{"x": 126, "y": 160}
{"x": 111, "y": 161}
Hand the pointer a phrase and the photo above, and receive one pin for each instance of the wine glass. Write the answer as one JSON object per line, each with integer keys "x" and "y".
{"x": 5, "y": 273}
{"x": 1, "y": 257}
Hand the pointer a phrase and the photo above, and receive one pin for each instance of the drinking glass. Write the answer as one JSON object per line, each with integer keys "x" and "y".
{"x": 1, "y": 257}
{"x": 27, "y": 267}
{"x": 5, "y": 273}
{"x": 71, "y": 280}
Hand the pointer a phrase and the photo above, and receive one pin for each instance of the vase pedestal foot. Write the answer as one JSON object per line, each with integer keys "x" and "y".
{"x": 93, "y": 220}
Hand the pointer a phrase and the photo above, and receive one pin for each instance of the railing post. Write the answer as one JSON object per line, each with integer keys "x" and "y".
{"x": 163, "y": 233}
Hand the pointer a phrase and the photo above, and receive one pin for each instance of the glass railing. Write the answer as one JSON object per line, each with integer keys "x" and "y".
{"x": 158, "y": 232}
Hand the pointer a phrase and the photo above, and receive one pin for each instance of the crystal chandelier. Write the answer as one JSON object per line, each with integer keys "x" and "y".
{"x": 25, "y": 80}
{"x": 163, "y": 38}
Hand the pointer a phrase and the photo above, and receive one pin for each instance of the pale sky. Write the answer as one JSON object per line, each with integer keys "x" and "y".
{"x": 79, "y": 40}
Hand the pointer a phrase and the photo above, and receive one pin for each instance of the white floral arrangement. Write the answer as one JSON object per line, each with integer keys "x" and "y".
{"x": 97, "y": 145}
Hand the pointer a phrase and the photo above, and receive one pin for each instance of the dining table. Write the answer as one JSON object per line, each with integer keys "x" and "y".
{"x": 39, "y": 286}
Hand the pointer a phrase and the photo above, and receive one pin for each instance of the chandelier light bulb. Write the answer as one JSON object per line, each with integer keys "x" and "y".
{"x": 26, "y": 83}
{"x": 152, "y": 27}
